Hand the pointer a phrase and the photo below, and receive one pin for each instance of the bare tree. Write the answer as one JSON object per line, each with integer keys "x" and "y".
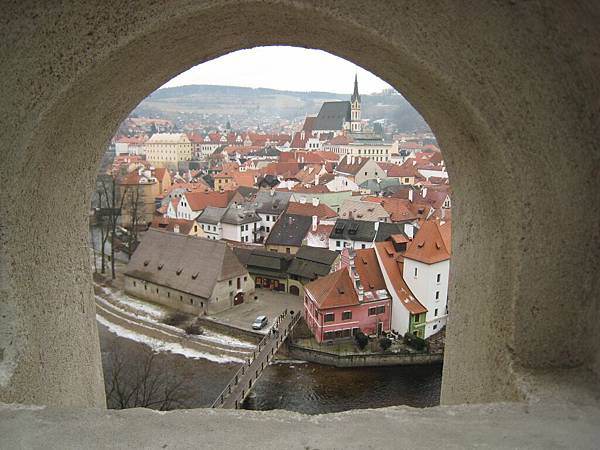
{"x": 135, "y": 208}
{"x": 112, "y": 211}
{"x": 141, "y": 382}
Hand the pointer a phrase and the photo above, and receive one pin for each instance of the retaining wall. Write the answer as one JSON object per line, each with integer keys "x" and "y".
{"x": 231, "y": 330}
{"x": 360, "y": 360}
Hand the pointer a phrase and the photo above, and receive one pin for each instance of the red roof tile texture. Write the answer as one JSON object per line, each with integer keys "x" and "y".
{"x": 393, "y": 265}
{"x": 428, "y": 245}
{"x": 322, "y": 211}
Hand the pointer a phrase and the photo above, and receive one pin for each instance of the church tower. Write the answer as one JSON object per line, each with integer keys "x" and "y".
{"x": 355, "y": 121}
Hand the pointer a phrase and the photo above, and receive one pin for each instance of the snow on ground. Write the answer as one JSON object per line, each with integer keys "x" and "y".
{"x": 288, "y": 361}
{"x": 223, "y": 339}
{"x": 160, "y": 346}
{"x": 155, "y": 314}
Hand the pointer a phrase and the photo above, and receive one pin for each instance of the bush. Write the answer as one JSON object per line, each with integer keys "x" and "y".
{"x": 361, "y": 340}
{"x": 415, "y": 342}
{"x": 385, "y": 343}
{"x": 194, "y": 328}
{"x": 175, "y": 319}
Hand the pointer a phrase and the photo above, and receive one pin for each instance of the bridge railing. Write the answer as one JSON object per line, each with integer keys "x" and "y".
{"x": 233, "y": 383}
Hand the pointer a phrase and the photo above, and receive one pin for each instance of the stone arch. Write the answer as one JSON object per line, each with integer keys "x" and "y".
{"x": 487, "y": 79}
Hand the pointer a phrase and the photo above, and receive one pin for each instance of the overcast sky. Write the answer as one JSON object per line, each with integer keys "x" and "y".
{"x": 284, "y": 68}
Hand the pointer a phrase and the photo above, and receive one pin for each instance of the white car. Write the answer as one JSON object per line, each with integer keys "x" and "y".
{"x": 260, "y": 323}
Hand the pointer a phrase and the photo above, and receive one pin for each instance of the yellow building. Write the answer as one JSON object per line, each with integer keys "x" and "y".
{"x": 167, "y": 149}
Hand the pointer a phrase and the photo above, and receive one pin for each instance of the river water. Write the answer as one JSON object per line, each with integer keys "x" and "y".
{"x": 294, "y": 386}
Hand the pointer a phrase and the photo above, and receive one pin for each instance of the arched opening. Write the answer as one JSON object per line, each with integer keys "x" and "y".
{"x": 466, "y": 104}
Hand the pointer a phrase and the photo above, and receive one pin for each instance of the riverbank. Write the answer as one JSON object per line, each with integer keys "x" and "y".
{"x": 298, "y": 352}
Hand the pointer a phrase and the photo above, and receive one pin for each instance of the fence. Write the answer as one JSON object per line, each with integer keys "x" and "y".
{"x": 246, "y": 376}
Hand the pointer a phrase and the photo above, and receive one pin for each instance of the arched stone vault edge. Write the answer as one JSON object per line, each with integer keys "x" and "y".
{"x": 125, "y": 60}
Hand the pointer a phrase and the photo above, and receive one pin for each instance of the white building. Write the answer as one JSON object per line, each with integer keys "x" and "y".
{"x": 417, "y": 278}
{"x": 426, "y": 272}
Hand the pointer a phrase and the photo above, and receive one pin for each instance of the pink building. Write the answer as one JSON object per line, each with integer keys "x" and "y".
{"x": 350, "y": 299}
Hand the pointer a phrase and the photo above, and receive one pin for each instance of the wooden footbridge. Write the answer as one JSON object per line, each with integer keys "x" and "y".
{"x": 242, "y": 382}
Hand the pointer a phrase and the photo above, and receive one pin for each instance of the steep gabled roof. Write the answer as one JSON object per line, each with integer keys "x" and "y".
{"x": 332, "y": 116}
{"x": 351, "y": 165}
{"x": 333, "y": 290}
{"x": 258, "y": 259}
{"x": 357, "y": 209}
{"x": 322, "y": 211}
{"x": 398, "y": 209}
{"x": 429, "y": 246}
{"x": 185, "y": 263}
{"x": 211, "y": 215}
{"x": 290, "y": 229}
{"x": 393, "y": 265}
{"x": 169, "y": 224}
{"x": 367, "y": 266}
{"x": 355, "y": 230}
{"x": 200, "y": 200}
{"x": 311, "y": 262}
{"x": 272, "y": 202}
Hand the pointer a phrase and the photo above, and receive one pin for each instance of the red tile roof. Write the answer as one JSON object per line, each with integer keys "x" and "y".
{"x": 322, "y": 211}
{"x": 428, "y": 245}
{"x": 333, "y": 290}
{"x": 398, "y": 209}
{"x": 393, "y": 265}
{"x": 367, "y": 266}
{"x": 198, "y": 201}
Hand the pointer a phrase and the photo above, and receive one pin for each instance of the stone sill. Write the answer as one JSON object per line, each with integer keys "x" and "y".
{"x": 562, "y": 410}
{"x": 490, "y": 426}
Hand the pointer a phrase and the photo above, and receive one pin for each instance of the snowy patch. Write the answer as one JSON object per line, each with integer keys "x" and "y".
{"x": 288, "y": 361}
{"x": 161, "y": 346}
{"x": 147, "y": 309}
{"x": 223, "y": 339}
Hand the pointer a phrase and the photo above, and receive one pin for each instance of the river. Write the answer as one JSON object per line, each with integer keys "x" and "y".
{"x": 295, "y": 386}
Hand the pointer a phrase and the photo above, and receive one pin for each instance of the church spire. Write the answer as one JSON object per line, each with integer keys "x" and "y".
{"x": 355, "y": 95}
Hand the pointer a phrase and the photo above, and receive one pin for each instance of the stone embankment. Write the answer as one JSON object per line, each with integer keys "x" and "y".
{"x": 362, "y": 359}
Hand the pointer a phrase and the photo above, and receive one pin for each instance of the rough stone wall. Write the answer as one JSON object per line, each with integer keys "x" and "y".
{"x": 510, "y": 89}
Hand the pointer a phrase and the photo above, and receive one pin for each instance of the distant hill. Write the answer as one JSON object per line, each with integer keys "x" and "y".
{"x": 242, "y": 103}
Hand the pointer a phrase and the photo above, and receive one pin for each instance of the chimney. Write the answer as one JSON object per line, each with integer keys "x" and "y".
{"x": 351, "y": 159}
{"x": 272, "y": 192}
{"x": 302, "y": 200}
{"x": 410, "y": 195}
{"x": 316, "y": 179}
{"x": 176, "y": 229}
{"x": 376, "y": 226}
{"x": 424, "y": 192}
{"x": 315, "y": 201}
{"x": 315, "y": 223}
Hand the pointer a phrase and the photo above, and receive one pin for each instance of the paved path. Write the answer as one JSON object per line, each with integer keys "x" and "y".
{"x": 238, "y": 388}
{"x": 268, "y": 303}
